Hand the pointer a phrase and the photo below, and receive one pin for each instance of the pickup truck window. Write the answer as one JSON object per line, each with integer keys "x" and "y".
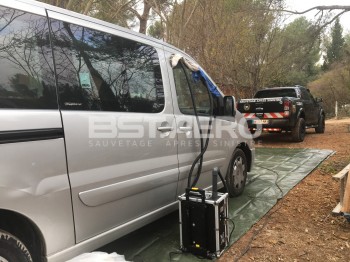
{"x": 276, "y": 93}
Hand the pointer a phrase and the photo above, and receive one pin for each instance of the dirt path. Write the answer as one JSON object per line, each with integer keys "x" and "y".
{"x": 300, "y": 227}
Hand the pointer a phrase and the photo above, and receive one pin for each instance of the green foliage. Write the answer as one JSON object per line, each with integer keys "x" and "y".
{"x": 156, "y": 30}
{"x": 113, "y": 11}
{"x": 116, "y": 12}
{"x": 334, "y": 50}
{"x": 333, "y": 167}
{"x": 334, "y": 83}
{"x": 298, "y": 49}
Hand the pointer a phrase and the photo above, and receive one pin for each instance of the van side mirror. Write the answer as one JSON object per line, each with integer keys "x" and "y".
{"x": 229, "y": 106}
{"x": 318, "y": 99}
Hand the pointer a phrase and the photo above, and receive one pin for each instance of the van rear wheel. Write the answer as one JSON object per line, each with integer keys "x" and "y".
{"x": 237, "y": 173}
{"x": 12, "y": 249}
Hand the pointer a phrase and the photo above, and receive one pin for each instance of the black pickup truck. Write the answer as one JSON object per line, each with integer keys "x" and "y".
{"x": 289, "y": 109}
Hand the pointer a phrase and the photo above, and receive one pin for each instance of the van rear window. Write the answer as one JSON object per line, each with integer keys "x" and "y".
{"x": 26, "y": 77}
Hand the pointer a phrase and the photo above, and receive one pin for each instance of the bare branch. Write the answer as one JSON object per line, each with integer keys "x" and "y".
{"x": 69, "y": 5}
{"x": 333, "y": 19}
{"x": 190, "y": 16}
{"x": 132, "y": 10}
{"x": 346, "y": 8}
{"x": 88, "y": 7}
{"x": 158, "y": 11}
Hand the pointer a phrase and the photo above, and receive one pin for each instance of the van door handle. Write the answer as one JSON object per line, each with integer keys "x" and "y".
{"x": 164, "y": 128}
{"x": 185, "y": 128}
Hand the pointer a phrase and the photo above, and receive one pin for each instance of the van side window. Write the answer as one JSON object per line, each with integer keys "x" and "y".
{"x": 27, "y": 79}
{"x": 183, "y": 78}
{"x": 104, "y": 72}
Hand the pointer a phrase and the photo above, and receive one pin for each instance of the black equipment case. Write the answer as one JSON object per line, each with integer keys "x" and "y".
{"x": 203, "y": 222}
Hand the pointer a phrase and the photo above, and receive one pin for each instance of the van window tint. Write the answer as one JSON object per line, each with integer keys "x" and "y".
{"x": 104, "y": 72}
{"x": 26, "y": 76}
{"x": 183, "y": 78}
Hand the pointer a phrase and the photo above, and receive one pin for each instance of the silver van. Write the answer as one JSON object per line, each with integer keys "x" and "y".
{"x": 99, "y": 128}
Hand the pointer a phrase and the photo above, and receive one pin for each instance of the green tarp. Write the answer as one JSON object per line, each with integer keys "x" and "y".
{"x": 276, "y": 171}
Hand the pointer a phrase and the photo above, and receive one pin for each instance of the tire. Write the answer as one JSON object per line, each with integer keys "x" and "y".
{"x": 321, "y": 125}
{"x": 237, "y": 173}
{"x": 298, "y": 132}
{"x": 12, "y": 249}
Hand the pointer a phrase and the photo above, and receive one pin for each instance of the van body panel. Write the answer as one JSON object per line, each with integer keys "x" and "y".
{"x": 220, "y": 144}
{"x": 19, "y": 119}
{"x": 112, "y": 234}
{"x": 117, "y": 191}
{"x": 189, "y": 149}
{"x": 24, "y": 6}
{"x": 95, "y": 167}
{"x": 34, "y": 183}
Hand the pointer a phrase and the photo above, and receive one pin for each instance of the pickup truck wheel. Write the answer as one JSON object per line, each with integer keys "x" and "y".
{"x": 237, "y": 173}
{"x": 298, "y": 132}
{"x": 12, "y": 249}
{"x": 321, "y": 125}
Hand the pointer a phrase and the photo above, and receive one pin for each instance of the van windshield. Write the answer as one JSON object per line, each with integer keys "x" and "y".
{"x": 276, "y": 93}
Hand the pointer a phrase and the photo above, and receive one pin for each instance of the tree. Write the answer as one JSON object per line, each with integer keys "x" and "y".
{"x": 122, "y": 12}
{"x": 114, "y": 11}
{"x": 245, "y": 46}
{"x": 334, "y": 51}
{"x": 81, "y": 6}
{"x": 294, "y": 54}
{"x": 156, "y": 30}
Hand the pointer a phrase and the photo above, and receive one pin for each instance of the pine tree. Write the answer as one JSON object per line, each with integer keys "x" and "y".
{"x": 334, "y": 51}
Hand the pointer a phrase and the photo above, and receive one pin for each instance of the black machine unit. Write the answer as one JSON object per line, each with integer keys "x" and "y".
{"x": 203, "y": 222}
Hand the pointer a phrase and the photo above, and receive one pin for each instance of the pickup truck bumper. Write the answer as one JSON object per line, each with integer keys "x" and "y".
{"x": 277, "y": 123}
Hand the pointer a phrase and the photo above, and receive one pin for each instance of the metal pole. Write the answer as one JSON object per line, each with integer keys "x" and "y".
{"x": 215, "y": 183}
{"x": 336, "y": 109}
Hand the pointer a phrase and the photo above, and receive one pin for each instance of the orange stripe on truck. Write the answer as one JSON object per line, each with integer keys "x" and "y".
{"x": 266, "y": 115}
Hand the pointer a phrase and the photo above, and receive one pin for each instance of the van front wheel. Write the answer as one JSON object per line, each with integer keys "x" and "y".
{"x": 12, "y": 249}
{"x": 237, "y": 173}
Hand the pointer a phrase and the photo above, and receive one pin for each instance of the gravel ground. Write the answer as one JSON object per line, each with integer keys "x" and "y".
{"x": 301, "y": 227}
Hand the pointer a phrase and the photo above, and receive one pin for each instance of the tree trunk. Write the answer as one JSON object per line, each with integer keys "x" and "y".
{"x": 144, "y": 17}
{"x": 88, "y": 7}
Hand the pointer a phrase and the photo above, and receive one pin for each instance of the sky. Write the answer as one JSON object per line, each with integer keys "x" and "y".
{"x": 302, "y": 5}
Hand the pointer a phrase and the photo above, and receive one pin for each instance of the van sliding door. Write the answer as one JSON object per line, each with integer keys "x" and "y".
{"x": 118, "y": 123}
